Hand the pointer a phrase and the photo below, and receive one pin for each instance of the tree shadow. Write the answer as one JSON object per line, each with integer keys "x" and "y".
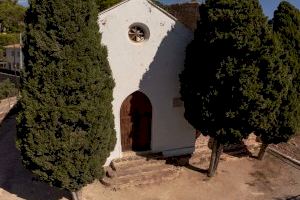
{"x": 297, "y": 197}
{"x": 196, "y": 169}
{"x": 14, "y": 178}
{"x": 177, "y": 161}
{"x": 160, "y": 82}
{"x": 238, "y": 150}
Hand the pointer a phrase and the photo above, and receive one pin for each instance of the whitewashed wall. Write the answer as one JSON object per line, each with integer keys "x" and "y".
{"x": 151, "y": 67}
{"x": 13, "y": 57}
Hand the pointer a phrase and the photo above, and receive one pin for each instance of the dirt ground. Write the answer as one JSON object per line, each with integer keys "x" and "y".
{"x": 237, "y": 179}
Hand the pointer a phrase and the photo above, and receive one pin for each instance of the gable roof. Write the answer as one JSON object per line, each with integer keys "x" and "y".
{"x": 157, "y": 6}
{"x": 187, "y": 13}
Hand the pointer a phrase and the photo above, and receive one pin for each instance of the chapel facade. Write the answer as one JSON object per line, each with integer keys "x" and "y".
{"x": 146, "y": 51}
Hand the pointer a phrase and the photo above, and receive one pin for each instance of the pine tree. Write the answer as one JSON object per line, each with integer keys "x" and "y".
{"x": 285, "y": 121}
{"x": 220, "y": 80}
{"x": 65, "y": 126}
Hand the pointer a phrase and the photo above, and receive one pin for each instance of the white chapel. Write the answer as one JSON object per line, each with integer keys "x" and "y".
{"x": 146, "y": 51}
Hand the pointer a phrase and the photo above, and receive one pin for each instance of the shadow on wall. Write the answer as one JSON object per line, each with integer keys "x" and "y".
{"x": 14, "y": 178}
{"x": 161, "y": 84}
{"x": 157, "y": 80}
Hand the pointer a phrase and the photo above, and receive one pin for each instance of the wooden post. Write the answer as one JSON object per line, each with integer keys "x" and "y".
{"x": 212, "y": 158}
{"x": 217, "y": 149}
{"x": 218, "y": 156}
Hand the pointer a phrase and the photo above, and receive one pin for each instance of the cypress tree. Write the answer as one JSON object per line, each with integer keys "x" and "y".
{"x": 220, "y": 80}
{"x": 65, "y": 126}
{"x": 284, "y": 122}
{"x": 104, "y": 4}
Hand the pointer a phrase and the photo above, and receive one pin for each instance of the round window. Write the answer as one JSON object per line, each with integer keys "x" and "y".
{"x": 138, "y": 32}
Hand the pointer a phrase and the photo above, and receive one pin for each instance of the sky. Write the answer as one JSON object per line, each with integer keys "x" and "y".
{"x": 268, "y": 5}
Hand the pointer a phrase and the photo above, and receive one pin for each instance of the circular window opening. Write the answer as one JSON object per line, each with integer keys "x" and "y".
{"x": 138, "y": 32}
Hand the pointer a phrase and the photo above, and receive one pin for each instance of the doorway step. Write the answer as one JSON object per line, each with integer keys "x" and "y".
{"x": 139, "y": 170}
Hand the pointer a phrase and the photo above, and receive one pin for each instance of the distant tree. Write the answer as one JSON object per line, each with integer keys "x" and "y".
{"x": 11, "y": 17}
{"x": 65, "y": 129}
{"x": 283, "y": 123}
{"x": 7, "y": 89}
{"x": 104, "y": 4}
{"x": 220, "y": 81}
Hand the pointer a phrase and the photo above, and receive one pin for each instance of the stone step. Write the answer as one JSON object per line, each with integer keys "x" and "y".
{"x": 119, "y": 166}
{"x": 133, "y": 157}
{"x": 154, "y": 166}
{"x": 138, "y": 170}
{"x": 146, "y": 178}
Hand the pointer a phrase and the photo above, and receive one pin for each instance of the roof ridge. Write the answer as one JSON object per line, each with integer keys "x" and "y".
{"x": 151, "y": 2}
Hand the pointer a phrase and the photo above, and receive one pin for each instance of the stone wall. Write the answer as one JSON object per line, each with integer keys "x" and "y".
{"x": 6, "y": 105}
{"x": 248, "y": 146}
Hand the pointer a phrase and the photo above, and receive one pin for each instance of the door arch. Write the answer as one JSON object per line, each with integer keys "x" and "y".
{"x": 136, "y": 121}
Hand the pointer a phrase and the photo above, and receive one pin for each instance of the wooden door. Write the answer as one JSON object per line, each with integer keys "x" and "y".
{"x": 136, "y": 117}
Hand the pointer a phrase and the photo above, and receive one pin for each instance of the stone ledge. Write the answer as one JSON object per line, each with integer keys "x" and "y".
{"x": 287, "y": 159}
{"x": 6, "y": 105}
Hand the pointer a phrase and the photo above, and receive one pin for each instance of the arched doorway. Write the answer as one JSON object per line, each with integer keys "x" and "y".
{"x": 136, "y": 117}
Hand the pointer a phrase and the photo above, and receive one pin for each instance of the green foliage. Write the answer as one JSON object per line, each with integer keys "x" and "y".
{"x": 7, "y": 89}
{"x": 7, "y": 39}
{"x": 104, "y": 4}
{"x": 286, "y": 22}
{"x": 65, "y": 129}
{"x": 286, "y": 122}
{"x": 11, "y": 23}
{"x": 221, "y": 82}
{"x": 11, "y": 17}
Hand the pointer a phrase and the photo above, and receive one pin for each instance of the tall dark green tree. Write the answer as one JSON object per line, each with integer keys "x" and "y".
{"x": 220, "y": 80}
{"x": 286, "y": 120}
{"x": 65, "y": 126}
{"x": 104, "y": 4}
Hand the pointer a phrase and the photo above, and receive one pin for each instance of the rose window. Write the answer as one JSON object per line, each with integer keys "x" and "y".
{"x": 138, "y": 32}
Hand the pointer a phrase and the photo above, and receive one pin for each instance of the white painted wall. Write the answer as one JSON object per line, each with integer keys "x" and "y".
{"x": 151, "y": 67}
{"x": 13, "y": 58}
